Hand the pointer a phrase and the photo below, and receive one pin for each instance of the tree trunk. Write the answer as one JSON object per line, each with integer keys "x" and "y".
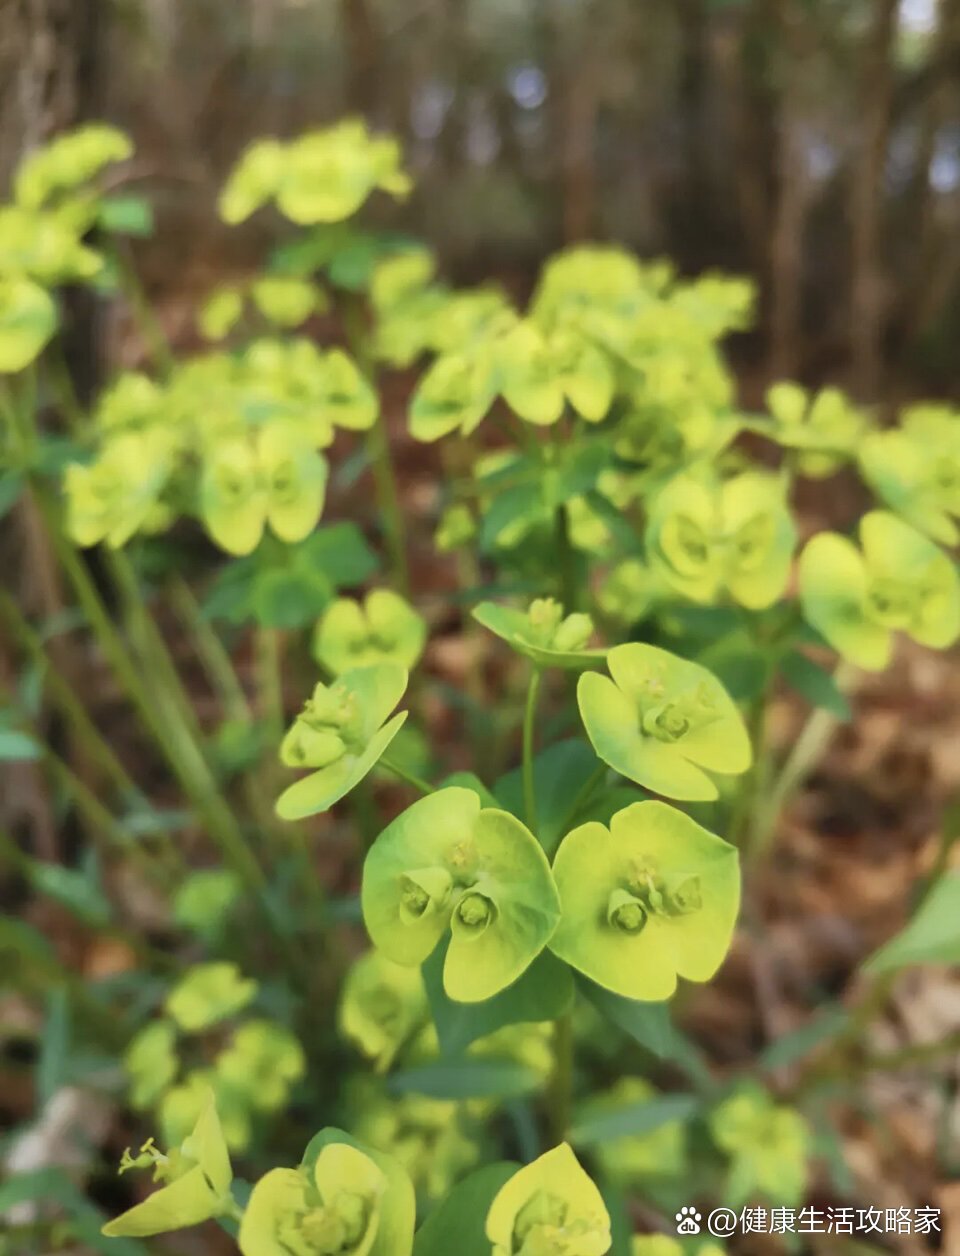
{"x": 867, "y": 303}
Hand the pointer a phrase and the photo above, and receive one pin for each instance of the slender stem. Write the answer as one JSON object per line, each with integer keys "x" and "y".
{"x": 807, "y": 749}
{"x": 415, "y": 781}
{"x": 269, "y": 681}
{"x": 388, "y": 501}
{"x": 378, "y": 446}
{"x": 212, "y": 653}
{"x": 561, "y": 1084}
{"x": 751, "y": 788}
{"x": 144, "y": 316}
{"x": 72, "y": 708}
{"x": 160, "y": 668}
{"x": 569, "y": 594}
{"x": 529, "y": 722}
{"x": 179, "y": 748}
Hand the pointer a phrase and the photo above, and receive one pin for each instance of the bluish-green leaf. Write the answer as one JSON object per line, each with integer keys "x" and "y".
{"x": 633, "y": 1118}
{"x": 815, "y": 684}
{"x": 467, "y": 1077}
{"x": 457, "y": 1225}
{"x": 931, "y": 937}
{"x": 544, "y": 992}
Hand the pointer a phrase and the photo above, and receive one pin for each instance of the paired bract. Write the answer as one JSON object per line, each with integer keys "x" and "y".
{"x": 384, "y": 628}
{"x": 705, "y": 538}
{"x": 549, "y": 1208}
{"x": 652, "y": 897}
{"x": 340, "y": 733}
{"x": 446, "y": 864}
{"x": 543, "y": 633}
{"x": 664, "y": 722}
{"x": 897, "y": 581}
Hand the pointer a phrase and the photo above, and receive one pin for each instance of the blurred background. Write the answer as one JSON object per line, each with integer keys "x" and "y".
{"x": 813, "y": 144}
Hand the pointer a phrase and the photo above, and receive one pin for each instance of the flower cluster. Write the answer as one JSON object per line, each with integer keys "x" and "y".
{"x": 235, "y": 440}
{"x": 42, "y": 235}
{"x": 256, "y": 1066}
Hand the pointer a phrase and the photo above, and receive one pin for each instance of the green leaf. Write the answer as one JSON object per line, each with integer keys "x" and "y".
{"x": 127, "y": 215}
{"x": 931, "y": 937}
{"x": 458, "y": 1223}
{"x": 648, "y": 1024}
{"x": 815, "y": 684}
{"x": 467, "y": 1077}
{"x": 826, "y": 1024}
{"x": 635, "y": 1118}
{"x": 341, "y": 552}
{"x": 542, "y": 993}
{"x": 559, "y": 774}
{"x": 11, "y": 484}
{"x": 17, "y": 747}
{"x": 53, "y": 1064}
{"x": 74, "y": 890}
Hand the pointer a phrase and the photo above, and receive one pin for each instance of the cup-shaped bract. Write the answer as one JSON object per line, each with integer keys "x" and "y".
{"x": 384, "y": 628}
{"x": 67, "y": 162}
{"x": 209, "y": 993}
{"x": 915, "y": 469}
{"x": 115, "y": 496}
{"x": 321, "y": 177}
{"x": 549, "y": 1208}
{"x": 347, "y": 398}
{"x": 769, "y": 1145}
{"x": 197, "y": 1177}
{"x": 664, "y": 722}
{"x": 150, "y": 1062}
{"x": 46, "y": 246}
{"x": 295, "y": 480}
{"x": 897, "y": 581}
{"x": 233, "y": 501}
{"x": 453, "y": 395}
{"x": 261, "y": 1063}
{"x": 340, "y": 733}
{"x": 527, "y": 378}
{"x": 543, "y": 633}
{"x": 28, "y": 319}
{"x": 343, "y": 1200}
{"x": 823, "y": 431}
{"x": 705, "y": 538}
{"x": 382, "y": 1005}
{"x": 653, "y": 897}
{"x": 446, "y": 863}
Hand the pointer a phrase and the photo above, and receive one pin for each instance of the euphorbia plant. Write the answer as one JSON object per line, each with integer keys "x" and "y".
{"x": 626, "y": 562}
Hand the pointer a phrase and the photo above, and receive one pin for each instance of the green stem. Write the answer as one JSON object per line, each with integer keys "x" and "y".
{"x": 807, "y": 749}
{"x": 212, "y": 653}
{"x": 72, "y": 708}
{"x": 378, "y": 446}
{"x": 561, "y": 1084}
{"x": 529, "y": 722}
{"x": 269, "y": 682}
{"x": 388, "y": 502}
{"x": 147, "y": 321}
{"x": 565, "y": 560}
{"x": 180, "y": 750}
{"x": 415, "y": 781}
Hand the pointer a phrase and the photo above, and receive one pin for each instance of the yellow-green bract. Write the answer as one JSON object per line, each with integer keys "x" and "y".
{"x": 28, "y": 318}
{"x": 118, "y": 494}
{"x": 343, "y": 1200}
{"x": 321, "y": 177}
{"x": 662, "y": 720}
{"x": 68, "y": 161}
{"x": 209, "y": 993}
{"x": 341, "y": 733}
{"x": 383, "y": 629}
{"x": 768, "y": 1145}
{"x": 197, "y": 1176}
{"x": 916, "y": 469}
{"x": 445, "y": 863}
{"x": 539, "y": 375}
{"x": 650, "y": 898}
{"x": 705, "y": 538}
{"x": 543, "y": 633}
{"x": 897, "y": 581}
{"x": 382, "y": 1005}
{"x": 822, "y": 431}
{"x": 549, "y": 1208}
